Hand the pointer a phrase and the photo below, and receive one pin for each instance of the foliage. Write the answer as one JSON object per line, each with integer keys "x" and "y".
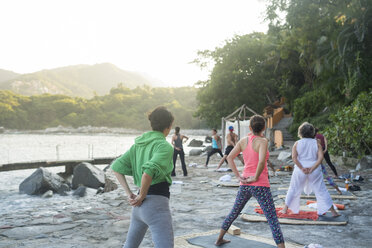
{"x": 310, "y": 107}
{"x": 241, "y": 75}
{"x": 332, "y": 41}
{"x": 352, "y": 128}
{"x": 319, "y": 57}
{"x": 122, "y": 107}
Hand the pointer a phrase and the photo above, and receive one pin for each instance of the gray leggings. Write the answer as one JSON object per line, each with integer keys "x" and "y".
{"x": 154, "y": 213}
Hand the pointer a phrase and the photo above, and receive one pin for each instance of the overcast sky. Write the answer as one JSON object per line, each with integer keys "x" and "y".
{"x": 157, "y": 37}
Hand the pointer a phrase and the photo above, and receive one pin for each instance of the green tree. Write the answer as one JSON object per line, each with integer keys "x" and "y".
{"x": 241, "y": 75}
{"x": 352, "y": 127}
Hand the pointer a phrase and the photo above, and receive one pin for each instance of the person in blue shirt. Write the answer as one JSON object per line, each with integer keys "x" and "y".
{"x": 216, "y": 146}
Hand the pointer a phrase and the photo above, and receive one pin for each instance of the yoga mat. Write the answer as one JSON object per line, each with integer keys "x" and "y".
{"x": 234, "y": 185}
{"x": 329, "y": 218}
{"x": 331, "y": 191}
{"x": 303, "y": 215}
{"x": 302, "y": 208}
{"x": 339, "y": 206}
{"x": 236, "y": 242}
{"x": 329, "y": 187}
{"x": 322, "y": 220}
{"x": 334, "y": 195}
{"x": 346, "y": 197}
{"x": 182, "y": 241}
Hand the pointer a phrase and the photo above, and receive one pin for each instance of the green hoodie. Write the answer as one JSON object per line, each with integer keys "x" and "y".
{"x": 151, "y": 154}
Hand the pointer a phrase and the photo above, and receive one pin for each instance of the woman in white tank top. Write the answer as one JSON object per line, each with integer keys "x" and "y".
{"x": 307, "y": 175}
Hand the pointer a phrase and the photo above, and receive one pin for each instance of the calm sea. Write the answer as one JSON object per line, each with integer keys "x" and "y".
{"x": 31, "y": 147}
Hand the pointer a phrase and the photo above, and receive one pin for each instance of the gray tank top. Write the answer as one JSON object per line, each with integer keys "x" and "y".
{"x": 178, "y": 142}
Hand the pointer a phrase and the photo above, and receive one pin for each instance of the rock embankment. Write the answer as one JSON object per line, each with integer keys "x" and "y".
{"x": 88, "y": 175}
{"x": 44, "y": 183}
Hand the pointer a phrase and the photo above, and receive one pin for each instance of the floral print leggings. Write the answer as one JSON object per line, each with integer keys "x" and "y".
{"x": 265, "y": 199}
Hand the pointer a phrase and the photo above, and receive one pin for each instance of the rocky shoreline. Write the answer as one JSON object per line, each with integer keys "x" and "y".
{"x": 198, "y": 204}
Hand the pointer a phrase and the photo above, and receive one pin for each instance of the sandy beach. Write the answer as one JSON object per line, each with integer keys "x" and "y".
{"x": 197, "y": 203}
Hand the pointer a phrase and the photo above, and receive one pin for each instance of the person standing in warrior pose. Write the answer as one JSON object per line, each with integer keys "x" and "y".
{"x": 216, "y": 146}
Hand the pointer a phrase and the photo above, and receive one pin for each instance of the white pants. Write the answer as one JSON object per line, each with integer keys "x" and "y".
{"x": 308, "y": 182}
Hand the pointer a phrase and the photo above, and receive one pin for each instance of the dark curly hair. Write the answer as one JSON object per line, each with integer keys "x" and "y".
{"x": 160, "y": 119}
{"x": 306, "y": 130}
{"x": 257, "y": 123}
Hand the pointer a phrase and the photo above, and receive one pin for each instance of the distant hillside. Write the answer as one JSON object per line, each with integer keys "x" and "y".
{"x": 7, "y": 75}
{"x": 77, "y": 80}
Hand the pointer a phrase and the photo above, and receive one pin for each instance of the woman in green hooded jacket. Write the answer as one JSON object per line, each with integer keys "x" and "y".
{"x": 150, "y": 163}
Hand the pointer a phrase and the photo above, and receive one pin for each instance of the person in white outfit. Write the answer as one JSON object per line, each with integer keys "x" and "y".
{"x": 307, "y": 175}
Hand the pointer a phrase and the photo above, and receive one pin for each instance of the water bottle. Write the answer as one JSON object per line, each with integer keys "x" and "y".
{"x": 352, "y": 175}
{"x": 347, "y": 182}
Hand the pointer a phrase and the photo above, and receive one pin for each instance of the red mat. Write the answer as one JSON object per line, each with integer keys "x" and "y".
{"x": 311, "y": 215}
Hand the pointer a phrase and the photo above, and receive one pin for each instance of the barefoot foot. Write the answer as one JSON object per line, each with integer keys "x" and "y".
{"x": 221, "y": 242}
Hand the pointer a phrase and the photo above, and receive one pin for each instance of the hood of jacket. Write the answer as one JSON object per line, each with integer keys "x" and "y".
{"x": 148, "y": 138}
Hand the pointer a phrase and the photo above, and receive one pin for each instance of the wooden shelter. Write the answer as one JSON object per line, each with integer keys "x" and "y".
{"x": 241, "y": 114}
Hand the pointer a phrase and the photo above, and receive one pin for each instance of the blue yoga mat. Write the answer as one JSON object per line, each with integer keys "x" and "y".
{"x": 236, "y": 242}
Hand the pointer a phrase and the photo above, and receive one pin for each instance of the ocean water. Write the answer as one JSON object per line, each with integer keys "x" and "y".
{"x": 19, "y": 147}
{"x": 32, "y": 147}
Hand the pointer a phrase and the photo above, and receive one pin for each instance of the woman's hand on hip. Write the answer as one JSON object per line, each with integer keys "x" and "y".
{"x": 136, "y": 200}
{"x": 250, "y": 179}
{"x": 241, "y": 178}
{"x": 131, "y": 196}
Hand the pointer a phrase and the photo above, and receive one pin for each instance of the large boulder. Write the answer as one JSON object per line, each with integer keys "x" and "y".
{"x": 88, "y": 175}
{"x": 195, "y": 152}
{"x": 366, "y": 162}
{"x": 196, "y": 143}
{"x": 40, "y": 182}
